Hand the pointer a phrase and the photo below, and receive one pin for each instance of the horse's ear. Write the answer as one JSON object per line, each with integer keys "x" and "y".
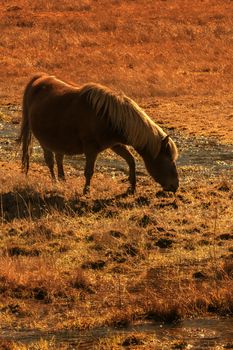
{"x": 165, "y": 141}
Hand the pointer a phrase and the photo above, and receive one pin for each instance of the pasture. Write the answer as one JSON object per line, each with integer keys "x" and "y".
{"x": 73, "y": 262}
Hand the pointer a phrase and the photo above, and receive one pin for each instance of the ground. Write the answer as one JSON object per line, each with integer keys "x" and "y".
{"x": 74, "y": 262}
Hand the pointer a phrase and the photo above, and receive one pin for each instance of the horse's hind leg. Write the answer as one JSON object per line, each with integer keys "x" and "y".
{"x": 123, "y": 151}
{"x": 91, "y": 155}
{"x": 59, "y": 159}
{"x": 49, "y": 160}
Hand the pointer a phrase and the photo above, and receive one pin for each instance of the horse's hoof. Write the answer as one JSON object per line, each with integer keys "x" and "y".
{"x": 86, "y": 190}
{"x": 130, "y": 191}
{"x": 62, "y": 179}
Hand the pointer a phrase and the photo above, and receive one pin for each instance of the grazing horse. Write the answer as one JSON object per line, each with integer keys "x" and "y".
{"x": 67, "y": 119}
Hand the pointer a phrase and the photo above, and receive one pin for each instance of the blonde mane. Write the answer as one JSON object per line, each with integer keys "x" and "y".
{"x": 125, "y": 114}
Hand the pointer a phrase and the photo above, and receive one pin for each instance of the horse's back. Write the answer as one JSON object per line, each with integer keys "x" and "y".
{"x": 61, "y": 118}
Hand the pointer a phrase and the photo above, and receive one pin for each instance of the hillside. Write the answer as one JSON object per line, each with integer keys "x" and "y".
{"x": 148, "y": 48}
{"x": 174, "y": 57}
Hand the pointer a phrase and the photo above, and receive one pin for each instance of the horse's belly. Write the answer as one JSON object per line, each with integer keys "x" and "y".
{"x": 59, "y": 142}
{"x": 63, "y": 147}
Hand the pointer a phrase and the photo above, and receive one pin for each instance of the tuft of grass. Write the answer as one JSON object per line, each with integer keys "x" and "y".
{"x": 164, "y": 311}
{"x": 81, "y": 281}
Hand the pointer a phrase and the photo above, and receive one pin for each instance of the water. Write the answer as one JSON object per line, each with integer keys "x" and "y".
{"x": 203, "y": 333}
{"x": 196, "y": 334}
{"x": 206, "y": 153}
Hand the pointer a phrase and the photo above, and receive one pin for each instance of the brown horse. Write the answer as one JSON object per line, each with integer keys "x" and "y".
{"x": 67, "y": 119}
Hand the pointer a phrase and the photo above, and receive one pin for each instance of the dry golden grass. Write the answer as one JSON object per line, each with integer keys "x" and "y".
{"x": 69, "y": 261}
{"x": 170, "y": 48}
{"x": 47, "y": 36}
{"x": 73, "y": 262}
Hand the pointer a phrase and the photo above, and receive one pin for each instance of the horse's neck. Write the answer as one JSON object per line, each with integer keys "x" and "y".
{"x": 145, "y": 154}
{"x": 149, "y": 161}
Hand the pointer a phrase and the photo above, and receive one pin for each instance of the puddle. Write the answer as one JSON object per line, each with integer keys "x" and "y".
{"x": 8, "y": 132}
{"x": 205, "y": 154}
{"x": 202, "y": 333}
{"x": 196, "y": 334}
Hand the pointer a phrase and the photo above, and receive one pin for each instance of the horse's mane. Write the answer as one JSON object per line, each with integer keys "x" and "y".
{"x": 125, "y": 114}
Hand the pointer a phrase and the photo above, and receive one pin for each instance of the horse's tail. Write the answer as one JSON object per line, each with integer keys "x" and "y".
{"x": 25, "y": 135}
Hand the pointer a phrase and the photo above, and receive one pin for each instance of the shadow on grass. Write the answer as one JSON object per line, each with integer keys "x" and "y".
{"x": 28, "y": 203}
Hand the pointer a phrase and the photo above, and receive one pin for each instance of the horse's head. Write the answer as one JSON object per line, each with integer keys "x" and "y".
{"x": 163, "y": 167}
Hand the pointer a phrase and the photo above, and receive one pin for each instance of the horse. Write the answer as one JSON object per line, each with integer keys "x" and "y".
{"x": 67, "y": 119}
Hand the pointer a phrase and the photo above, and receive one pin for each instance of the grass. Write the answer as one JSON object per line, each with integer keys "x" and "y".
{"x": 74, "y": 262}
{"x": 113, "y": 257}
{"x": 197, "y": 36}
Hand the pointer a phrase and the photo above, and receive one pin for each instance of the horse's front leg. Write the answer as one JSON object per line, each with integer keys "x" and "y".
{"x": 123, "y": 151}
{"x": 91, "y": 155}
{"x": 60, "y": 170}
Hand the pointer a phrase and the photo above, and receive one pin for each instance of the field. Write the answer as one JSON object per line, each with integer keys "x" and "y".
{"x": 71, "y": 262}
